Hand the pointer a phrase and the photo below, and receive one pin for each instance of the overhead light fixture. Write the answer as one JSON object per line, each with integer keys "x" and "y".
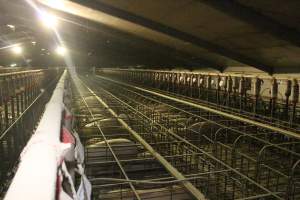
{"x": 43, "y": 49}
{"x": 33, "y": 42}
{"x": 11, "y": 26}
{"x": 17, "y": 50}
{"x": 61, "y": 50}
{"x": 49, "y": 20}
{"x": 58, "y": 4}
{"x": 13, "y": 65}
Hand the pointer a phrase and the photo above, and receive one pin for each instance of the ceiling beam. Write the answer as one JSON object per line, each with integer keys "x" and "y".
{"x": 135, "y": 52}
{"x": 255, "y": 18}
{"x": 133, "y": 18}
{"x": 140, "y": 44}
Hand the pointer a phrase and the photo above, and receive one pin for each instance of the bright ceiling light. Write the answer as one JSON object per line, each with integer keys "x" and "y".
{"x": 49, "y": 20}
{"x": 11, "y": 26}
{"x": 13, "y": 65}
{"x": 33, "y": 42}
{"x": 56, "y": 3}
{"x": 17, "y": 50}
{"x": 61, "y": 50}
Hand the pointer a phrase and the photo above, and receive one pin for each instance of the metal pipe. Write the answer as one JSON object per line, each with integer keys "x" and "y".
{"x": 112, "y": 151}
{"x": 193, "y": 147}
{"x": 21, "y": 72}
{"x": 173, "y": 171}
{"x": 247, "y": 112}
{"x": 234, "y": 117}
{"x": 216, "y": 112}
{"x": 158, "y": 181}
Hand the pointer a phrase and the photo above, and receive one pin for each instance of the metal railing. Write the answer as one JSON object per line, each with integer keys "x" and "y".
{"x": 19, "y": 89}
{"x": 15, "y": 134}
{"x": 264, "y": 98}
{"x": 261, "y": 161}
{"x": 36, "y": 174}
{"x": 125, "y": 186}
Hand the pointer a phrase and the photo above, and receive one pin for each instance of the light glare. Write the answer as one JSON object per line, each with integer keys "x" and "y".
{"x": 17, "y": 50}
{"x": 11, "y": 26}
{"x": 49, "y": 20}
{"x": 61, "y": 50}
{"x": 58, "y": 4}
{"x": 13, "y": 65}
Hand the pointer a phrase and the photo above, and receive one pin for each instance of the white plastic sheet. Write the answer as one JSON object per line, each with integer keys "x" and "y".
{"x": 85, "y": 189}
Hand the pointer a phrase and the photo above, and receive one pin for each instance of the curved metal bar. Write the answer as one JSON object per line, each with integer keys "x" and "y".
{"x": 259, "y": 156}
{"x": 290, "y": 186}
{"x": 292, "y": 134}
{"x": 208, "y": 155}
{"x": 108, "y": 145}
{"x": 248, "y": 114}
{"x": 192, "y": 189}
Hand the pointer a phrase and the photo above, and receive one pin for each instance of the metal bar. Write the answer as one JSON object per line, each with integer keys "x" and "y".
{"x": 141, "y": 159}
{"x": 190, "y": 187}
{"x": 243, "y": 134}
{"x": 127, "y": 96}
{"x": 286, "y": 120}
{"x": 257, "y": 19}
{"x": 21, "y": 72}
{"x": 269, "y": 77}
{"x": 231, "y": 116}
{"x": 111, "y": 150}
{"x": 45, "y": 141}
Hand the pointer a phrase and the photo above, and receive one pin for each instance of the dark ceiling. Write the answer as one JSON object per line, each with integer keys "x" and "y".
{"x": 193, "y": 34}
